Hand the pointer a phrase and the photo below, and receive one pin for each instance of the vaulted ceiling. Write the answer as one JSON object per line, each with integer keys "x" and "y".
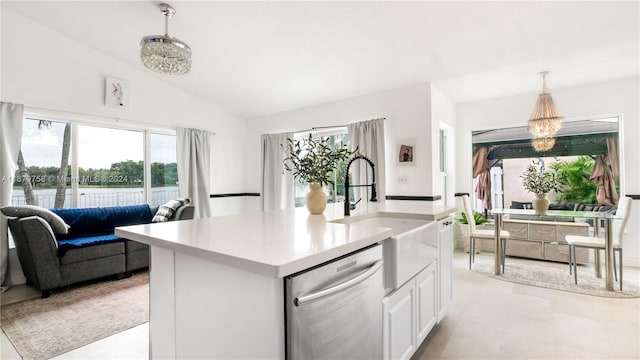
{"x": 257, "y": 58}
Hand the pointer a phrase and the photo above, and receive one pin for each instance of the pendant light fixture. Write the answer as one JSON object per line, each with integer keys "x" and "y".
{"x": 163, "y": 53}
{"x": 543, "y": 144}
{"x": 545, "y": 121}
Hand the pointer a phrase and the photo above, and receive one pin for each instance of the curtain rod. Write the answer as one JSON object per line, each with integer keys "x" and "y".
{"x": 333, "y": 126}
{"x": 117, "y": 120}
{"x": 321, "y": 128}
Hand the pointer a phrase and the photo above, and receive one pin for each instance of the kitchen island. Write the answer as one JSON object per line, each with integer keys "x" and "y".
{"x": 216, "y": 284}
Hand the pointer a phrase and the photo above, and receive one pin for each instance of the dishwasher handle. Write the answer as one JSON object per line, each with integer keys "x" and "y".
{"x": 305, "y": 299}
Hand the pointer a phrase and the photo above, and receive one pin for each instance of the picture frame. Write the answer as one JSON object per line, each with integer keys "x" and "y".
{"x": 116, "y": 93}
{"x": 406, "y": 153}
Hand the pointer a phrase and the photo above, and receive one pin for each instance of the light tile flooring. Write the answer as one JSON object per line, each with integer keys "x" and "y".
{"x": 488, "y": 319}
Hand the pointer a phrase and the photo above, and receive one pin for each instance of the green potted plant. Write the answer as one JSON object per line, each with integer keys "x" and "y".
{"x": 463, "y": 225}
{"x": 313, "y": 161}
{"x": 574, "y": 179}
{"x": 539, "y": 182}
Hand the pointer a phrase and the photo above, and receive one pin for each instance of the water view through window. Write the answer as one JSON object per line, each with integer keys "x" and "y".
{"x": 110, "y": 168}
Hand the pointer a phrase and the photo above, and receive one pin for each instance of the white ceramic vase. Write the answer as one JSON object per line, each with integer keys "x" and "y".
{"x": 316, "y": 199}
{"x": 540, "y": 204}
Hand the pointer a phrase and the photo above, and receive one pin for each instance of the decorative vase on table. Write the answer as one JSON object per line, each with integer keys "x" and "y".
{"x": 316, "y": 199}
{"x": 540, "y": 204}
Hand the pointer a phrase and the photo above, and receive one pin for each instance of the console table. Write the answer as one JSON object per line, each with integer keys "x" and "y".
{"x": 544, "y": 240}
{"x": 560, "y": 214}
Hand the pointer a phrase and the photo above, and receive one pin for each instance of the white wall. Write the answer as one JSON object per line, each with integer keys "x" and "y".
{"x": 443, "y": 115}
{"x": 610, "y": 98}
{"x": 44, "y": 69}
{"x": 408, "y": 114}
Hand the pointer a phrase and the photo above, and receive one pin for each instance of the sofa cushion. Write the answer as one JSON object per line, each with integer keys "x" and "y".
{"x": 19, "y": 211}
{"x": 102, "y": 220}
{"x": 85, "y": 241}
{"x": 166, "y": 210}
{"x": 86, "y": 253}
{"x": 567, "y": 206}
{"x": 135, "y": 246}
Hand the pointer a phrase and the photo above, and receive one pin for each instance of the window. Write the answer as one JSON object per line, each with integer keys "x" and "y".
{"x": 101, "y": 166}
{"x": 164, "y": 169}
{"x": 338, "y": 137}
{"x": 510, "y": 150}
{"x": 110, "y": 166}
{"x": 38, "y": 175}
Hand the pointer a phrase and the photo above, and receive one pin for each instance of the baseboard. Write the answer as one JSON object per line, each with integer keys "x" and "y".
{"x": 631, "y": 261}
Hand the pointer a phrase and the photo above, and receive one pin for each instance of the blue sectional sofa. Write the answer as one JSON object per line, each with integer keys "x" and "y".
{"x": 59, "y": 247}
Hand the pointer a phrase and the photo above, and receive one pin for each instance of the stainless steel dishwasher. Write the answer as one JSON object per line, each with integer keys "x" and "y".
{"x": 334, "y": 311}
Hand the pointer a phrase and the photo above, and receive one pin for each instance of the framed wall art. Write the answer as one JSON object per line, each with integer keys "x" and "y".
{"x": 406, "y": 151}
{"x": 116, "y": 93}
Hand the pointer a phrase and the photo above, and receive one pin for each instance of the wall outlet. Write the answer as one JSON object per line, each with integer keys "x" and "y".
{"x": 403, "y": 179}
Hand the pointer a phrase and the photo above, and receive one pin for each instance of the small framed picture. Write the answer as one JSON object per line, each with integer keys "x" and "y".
{"x": 116, "y": 93}
{"x": 406, "y": 152}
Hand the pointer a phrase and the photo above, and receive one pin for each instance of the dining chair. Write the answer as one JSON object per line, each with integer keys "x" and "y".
{"x": 475, "y": 233}
{"x": 598, "y": 243}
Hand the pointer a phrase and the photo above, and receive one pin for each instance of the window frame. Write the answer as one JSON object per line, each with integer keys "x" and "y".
{"x": 78, "y": 119}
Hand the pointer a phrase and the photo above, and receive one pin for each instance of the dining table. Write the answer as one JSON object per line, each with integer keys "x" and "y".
{"x": 561, "y": 215}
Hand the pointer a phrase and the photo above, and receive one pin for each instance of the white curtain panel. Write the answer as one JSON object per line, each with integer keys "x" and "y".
{"x": 368, "y": 137}
{"x": 11, "y": 116}
{"x": 194, "y": 163}
{"x": 277, "y": 184}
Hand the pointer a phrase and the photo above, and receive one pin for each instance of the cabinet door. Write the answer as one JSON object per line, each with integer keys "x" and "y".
{"x": 445, "y": 265}
{"x": 427, "y": 300}
{"x": 400, "y": 323}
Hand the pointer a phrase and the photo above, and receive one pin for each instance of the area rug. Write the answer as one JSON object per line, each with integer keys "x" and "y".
{"x": 68, "y": 319}
{"x": 556, "y": 276}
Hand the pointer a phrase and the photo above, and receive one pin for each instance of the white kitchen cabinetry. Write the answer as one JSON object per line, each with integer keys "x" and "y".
{"x": 427, "y": 301}
{"x": 410, "y": 313}
{"x": 445, "y": 257}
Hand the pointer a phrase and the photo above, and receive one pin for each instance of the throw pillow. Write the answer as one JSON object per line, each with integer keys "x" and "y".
{"x": 165, "y": 211}
{"x": 57, "y": 224}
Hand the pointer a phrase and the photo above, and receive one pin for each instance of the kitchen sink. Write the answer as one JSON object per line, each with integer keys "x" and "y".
{"x": 411, "y": 248}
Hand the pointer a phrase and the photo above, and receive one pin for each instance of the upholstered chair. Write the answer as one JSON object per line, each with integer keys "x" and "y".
{"x": 598, "y": 243}
{"x": 475, "y": 233}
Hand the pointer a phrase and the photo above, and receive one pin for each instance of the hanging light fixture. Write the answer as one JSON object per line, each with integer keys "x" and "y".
{"x": 543, "y": 144}
{"x": 545, "y": 121}
{"x": 163, "y": 53}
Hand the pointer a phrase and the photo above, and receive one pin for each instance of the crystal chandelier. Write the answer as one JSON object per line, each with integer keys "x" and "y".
{"x": 163, "y": 53}
{"x": 545, "y": 121}
{"x": 543, "y": 144}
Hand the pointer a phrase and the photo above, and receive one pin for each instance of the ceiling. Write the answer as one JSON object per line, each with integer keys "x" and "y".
{"x": 258, "y": 58}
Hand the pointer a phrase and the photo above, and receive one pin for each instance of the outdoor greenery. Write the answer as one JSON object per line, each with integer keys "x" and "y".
{"x": 476, "y": 215}
{"x": 538, "y": 181}
{"x": 313, "y": 161}
{"x": 121, "y": 174}
{"x": 574, "y": 183}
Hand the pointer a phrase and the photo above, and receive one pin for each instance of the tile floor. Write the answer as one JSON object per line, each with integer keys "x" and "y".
{"x": 488, "y": 319}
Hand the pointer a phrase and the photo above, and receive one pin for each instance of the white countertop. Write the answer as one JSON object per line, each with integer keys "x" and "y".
{"x": 278, "y": 243}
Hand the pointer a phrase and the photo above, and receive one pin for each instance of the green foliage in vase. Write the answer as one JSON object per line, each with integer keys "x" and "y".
{"x": 538, "y": 181}
{"x": 314, "y": 160}
{"x": 573, "y": 178}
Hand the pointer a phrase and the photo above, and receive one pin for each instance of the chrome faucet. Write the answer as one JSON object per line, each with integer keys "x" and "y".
{"x": 348, "y": 206}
